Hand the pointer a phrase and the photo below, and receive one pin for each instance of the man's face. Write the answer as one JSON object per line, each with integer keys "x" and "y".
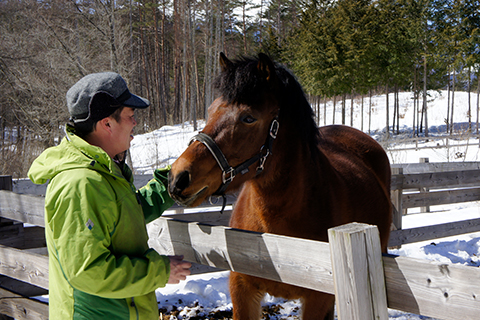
{"x": 123, "y": 130}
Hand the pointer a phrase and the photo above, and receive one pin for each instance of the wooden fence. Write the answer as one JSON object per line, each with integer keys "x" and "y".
{"x": 352, "y": 269}
{"x": 399, "y": 143}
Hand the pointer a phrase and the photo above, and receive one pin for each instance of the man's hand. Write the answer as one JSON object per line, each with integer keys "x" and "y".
{"x": 179, "y": 269}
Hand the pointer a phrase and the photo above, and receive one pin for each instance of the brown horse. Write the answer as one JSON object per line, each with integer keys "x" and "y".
{"x": 307, "y": 179}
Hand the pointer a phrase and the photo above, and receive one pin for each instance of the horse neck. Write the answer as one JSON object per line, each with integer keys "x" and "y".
{"x": 292, "y": 161}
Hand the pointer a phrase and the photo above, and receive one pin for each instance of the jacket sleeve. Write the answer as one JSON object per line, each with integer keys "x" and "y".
{"x": 81, "y": 225}
{"x": 154, "y": 195}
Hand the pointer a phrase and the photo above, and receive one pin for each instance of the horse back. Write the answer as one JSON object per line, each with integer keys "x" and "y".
{"x": 343, "y": 145}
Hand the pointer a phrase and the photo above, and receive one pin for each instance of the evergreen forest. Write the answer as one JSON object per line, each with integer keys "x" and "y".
{"x": 168, "y": 51}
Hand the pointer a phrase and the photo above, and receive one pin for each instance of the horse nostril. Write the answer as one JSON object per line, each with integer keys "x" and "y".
{"x": 182, "y": 181}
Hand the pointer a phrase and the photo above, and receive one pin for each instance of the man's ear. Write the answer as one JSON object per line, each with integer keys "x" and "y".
{"x": 105, "y": 124}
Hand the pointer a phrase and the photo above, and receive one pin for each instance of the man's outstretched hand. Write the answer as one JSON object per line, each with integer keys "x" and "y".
{"x": 179, "y": 269}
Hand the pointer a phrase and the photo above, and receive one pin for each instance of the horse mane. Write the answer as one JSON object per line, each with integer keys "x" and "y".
{"x": 243, "y": 83}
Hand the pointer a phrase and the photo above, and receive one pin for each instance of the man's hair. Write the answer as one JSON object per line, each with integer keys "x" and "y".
{"x": 84, "y": 128}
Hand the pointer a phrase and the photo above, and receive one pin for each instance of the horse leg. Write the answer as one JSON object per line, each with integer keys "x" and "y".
{"x": 317, "y": 305}
{"x": 246, "y": 297}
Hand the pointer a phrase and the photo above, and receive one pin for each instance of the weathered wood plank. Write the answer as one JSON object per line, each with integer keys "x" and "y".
{"x": 433, "y": 289}
{"x": 286, "y": 259}
{"x": 404, "y": 236}
{"x": 22, "y": 308}
{"x": 30, "y": 209}
{"x": 437, "y": 166}
{"x": 433, "y": 198}
{"x": 25, "y": 266}
{"x": 451, "y": 179}
{"x": 24, "y": 208}
{"x": 216, "y": 201}
{"x": 358, "y": 272}
{"x": 213, "y": 217}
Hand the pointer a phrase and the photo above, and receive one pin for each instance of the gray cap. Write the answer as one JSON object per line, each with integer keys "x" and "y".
{"x": 79, "y": 96}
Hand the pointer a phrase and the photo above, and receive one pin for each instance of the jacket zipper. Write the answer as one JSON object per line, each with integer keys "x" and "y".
{"x": 132, "y": 304}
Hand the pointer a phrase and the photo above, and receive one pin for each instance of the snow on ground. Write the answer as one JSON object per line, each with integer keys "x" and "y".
{"x": 206, "y": 296}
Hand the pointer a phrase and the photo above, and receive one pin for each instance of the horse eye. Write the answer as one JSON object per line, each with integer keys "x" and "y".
{"x": 248, "y": 119}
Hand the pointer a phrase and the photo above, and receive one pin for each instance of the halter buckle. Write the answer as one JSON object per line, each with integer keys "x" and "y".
{"x": 228, "y": 175}
{"x": 262, "y": 160}
{"x": 274, "y": 128}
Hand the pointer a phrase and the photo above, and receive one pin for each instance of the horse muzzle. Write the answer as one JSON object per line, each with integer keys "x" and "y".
{"x": 177, "y": 188}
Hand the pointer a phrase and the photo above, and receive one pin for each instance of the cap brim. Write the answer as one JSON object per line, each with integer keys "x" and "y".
{"x": 136, "y": 102}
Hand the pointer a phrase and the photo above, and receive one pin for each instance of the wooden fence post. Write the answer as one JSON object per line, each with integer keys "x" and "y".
{"x": 360, "y": 291}
{"x": 425, "y": 190}
{"x": 396, "y": 196}
{"x": 5, "y": 184}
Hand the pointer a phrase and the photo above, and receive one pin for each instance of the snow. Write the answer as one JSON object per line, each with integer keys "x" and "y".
{"x": 203, "y": 294}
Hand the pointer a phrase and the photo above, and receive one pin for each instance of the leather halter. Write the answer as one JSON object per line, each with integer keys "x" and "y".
{"x": 229, "y": 172}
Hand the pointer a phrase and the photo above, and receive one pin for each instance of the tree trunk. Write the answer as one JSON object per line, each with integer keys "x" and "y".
{"x": 143, "y": 53}
{"x": 425, "y": 95}
{"x": 395, "y": 115}
{"x": 397, "y": 102}
{"x": 208, "y": 55}
{"x": 469, "y": 101}
{"x": 448, "y": 105}
{"x": 157, "y": 72}
{"x": 113, "y": 49}
{"x": 370, "y": 111}
{"x": 165, "y": 85}
{"x": 361, "y": 123}
{"x": 177, "y": 74}
{"x": 334, "y": 105}
{"x": 478, "y": 97}
{"x": 452, "y": 123}
{"x": 325, "y": 110}
{"x": 351, "y": 110}
{"x": 387, "y": 107}
{"x": 414, "y": 99}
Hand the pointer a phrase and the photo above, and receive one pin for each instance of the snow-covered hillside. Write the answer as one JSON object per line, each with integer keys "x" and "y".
{"x": 164, "y": 145}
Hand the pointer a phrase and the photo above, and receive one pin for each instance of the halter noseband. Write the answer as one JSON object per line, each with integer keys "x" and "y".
{"x": 229, "y": 172}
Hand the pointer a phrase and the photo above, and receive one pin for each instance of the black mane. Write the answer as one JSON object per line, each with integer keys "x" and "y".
{"x": 243, "y": 83}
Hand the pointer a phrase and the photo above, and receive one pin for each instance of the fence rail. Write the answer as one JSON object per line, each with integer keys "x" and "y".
{"x": 421, "y": 143}
{"x": 412, "y": 285}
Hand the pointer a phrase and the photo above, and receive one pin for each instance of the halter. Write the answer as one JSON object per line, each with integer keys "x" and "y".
{"x": 229, "y": 172}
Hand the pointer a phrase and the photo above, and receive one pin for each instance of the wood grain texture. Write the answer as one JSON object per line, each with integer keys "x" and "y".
{"x": 286, "y": 259}
{"x": 358, "y": 272}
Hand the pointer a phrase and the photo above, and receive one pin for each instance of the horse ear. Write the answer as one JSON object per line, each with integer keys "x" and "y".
{"x": 265, "y": 66}
{"x": 224, "y": 62}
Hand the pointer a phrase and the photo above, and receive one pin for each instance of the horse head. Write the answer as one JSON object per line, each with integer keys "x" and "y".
{"x": 237, "y": 138}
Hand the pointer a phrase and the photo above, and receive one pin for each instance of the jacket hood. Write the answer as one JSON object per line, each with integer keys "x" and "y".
{"x": 72, "y": 153}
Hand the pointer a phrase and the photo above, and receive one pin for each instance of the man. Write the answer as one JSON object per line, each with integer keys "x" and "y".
{"x": 100, "y": 266}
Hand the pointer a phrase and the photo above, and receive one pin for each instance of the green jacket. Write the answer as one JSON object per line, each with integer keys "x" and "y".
{"x": 100, "y": 265}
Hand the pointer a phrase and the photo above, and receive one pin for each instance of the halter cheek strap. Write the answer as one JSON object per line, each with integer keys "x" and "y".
{"x": 229, "y": 172}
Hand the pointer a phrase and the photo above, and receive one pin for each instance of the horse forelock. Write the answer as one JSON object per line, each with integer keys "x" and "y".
{"x": 242, "y": 83}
